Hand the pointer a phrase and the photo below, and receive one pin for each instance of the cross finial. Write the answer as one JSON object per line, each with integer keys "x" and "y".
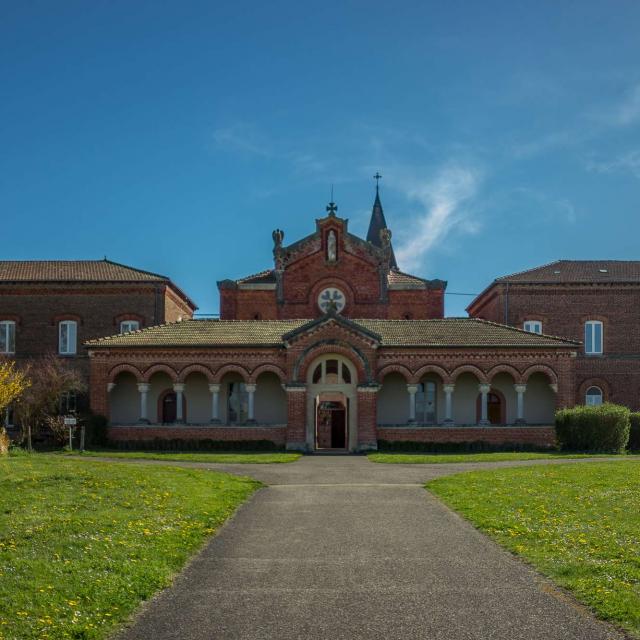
{"x": 332, "y": 207}
{"x": 377, "y": 178}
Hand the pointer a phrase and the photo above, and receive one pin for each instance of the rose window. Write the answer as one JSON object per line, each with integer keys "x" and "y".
{"x": 331, "y": 299}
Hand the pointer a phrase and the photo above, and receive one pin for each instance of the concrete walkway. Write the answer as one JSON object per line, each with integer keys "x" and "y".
{"x": 339, "y": 547}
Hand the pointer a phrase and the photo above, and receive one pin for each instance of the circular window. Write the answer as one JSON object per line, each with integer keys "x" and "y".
{"x": 331, "y": 299}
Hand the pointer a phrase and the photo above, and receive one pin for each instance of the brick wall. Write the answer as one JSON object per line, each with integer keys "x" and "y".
{"x": 220, "y": 433}
{"x": 538, "y": 436}
{"x": 563, "y": 310}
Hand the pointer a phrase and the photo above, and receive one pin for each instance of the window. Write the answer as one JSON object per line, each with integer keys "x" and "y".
{"x": 593, "y": 337}
{"x": 68, "y": 403}
{"x": 7, "y": 336}
{"x": 594, "y": 396}
{"x": 129, "y": 325}
{"x": 67, "y": 337}
{"x": 426, "y": 403}
{"x": 238, "y": 406}
{"x": 332, "y": 371}
{"x": 533, "y": 326}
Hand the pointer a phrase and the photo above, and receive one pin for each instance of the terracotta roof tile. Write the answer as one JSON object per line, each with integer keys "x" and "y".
{"x": 579, "y": 271}
{"x": 73, "y": 271}
{"x": 449, "y": 332}
{"x": 263, "y": 277}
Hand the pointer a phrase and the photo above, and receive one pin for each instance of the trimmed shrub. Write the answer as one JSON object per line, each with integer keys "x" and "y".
{"x": 179, "y": 445}
{"x": 634, "y": 432}
{"x": 96, "y": 430}
{"x": 601, "y": 429}
{"x": 475, "y": 446}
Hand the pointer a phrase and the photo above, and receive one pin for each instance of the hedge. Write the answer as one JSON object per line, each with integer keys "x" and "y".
{"x": 634, "y": 433}
{"x": 602, "y": 429}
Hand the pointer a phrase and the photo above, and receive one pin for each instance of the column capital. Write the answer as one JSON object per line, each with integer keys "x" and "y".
{"x": 448, "y": 388}
{"x": 178, "y": 387}
{"x": 520, "y": 388}
{"x": 143, "y": 387}
{"x": 554, "y": 387}
{"x": 250, "y": 388}
{"x": 484, "y": 388}
{"x": 215, "y": 388}
{"x": 412, "y": 388}
{"x": 110, "y": 386}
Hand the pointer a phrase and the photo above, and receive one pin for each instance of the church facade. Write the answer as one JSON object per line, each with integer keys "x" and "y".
{"x": 333, "y": 347}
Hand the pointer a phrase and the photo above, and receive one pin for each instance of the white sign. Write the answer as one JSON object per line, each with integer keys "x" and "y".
{"x": 70, "y": 422}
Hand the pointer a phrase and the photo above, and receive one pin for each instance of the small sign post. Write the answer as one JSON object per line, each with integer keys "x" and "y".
{"x": 70, "y": 422}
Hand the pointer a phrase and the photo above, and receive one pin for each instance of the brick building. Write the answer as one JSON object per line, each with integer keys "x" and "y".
{"x": 594, "y": 301}
{"x": 53, "y": 307}
{"x": 333, "y": 347}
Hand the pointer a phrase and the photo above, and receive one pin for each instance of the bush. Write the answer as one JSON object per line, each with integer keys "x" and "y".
{"x": 634, "y": 432}
{"x": 475, "y": 446}
{"x": 602, "y": 429}
{"x": 96, "y": 430}
{"x": 179, "y": 445}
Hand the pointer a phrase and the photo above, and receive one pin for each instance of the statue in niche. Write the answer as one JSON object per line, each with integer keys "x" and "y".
{"x": 332, "y": 255}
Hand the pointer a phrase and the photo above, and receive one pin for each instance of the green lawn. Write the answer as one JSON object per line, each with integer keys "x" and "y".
{"x": 441, "y": 458}
{"x": 83, "y": 542}
{"x": 227, "y": 458}
{"x": 578, "y": 524}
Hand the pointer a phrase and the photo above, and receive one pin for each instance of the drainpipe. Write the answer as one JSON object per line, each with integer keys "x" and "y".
{"x": 506, "y": 304}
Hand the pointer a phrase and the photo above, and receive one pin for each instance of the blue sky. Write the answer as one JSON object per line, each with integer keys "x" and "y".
{"x": 175, "y": 136}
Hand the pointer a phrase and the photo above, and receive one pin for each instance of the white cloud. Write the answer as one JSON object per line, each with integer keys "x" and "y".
{"x": 627, "y": 162}
{"x": 444, "y": 210}
{"x": 241, "y": 137}
{"x": 628, "y": 111}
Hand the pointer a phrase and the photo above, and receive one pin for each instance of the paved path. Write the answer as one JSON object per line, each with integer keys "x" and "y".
{"x": 339, "y": 547}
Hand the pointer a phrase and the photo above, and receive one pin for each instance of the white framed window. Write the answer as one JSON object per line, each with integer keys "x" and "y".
{"x": 593, "y": 337}
{"x": 533, "y": 326}
{"x": 332, "y": 370}
{"x": 68, "y": 402}
{"x": 129, "y": 325}
{"x": 7, "y": 336}
{"x": 68, "y": 337}
{"x": 593, "y": 396}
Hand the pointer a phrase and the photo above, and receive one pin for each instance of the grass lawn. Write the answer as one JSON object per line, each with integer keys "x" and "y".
{"x": 441, "y": 458}
{"x": 227, "y": 458}
{"x": 83, "y": 542}
{"x": 579, "y": 524}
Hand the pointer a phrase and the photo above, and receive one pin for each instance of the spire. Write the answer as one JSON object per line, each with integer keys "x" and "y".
{"x": 378, "y": 223}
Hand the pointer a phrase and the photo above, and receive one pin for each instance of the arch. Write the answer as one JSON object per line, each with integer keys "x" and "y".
{"x": 160, "y": 408}
{"x": 193, "y": 368}
{"x": 342, "y": 363}
{"x": 502, "y": 402}
{"x": 263, "y": 368}
{"x": 120, "y": 368}
{"x": 338, "y": 347}
{"x": 231, "y": 368}
{"x": 593, "y": 382}
{"x": 540, "y": 368}
{"x": 431, "y": 368}
{"x": 469, "y": 368}
{"x": 505, "y": 368}
{"x": 394, "y": 368}
{"x": 155, "y": 368}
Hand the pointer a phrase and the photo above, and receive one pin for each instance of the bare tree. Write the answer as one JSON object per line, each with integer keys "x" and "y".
{"x": 51, "y": 379}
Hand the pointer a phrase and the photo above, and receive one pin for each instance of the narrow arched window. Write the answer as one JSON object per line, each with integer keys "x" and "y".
{"x": 593, "y": 396}
{"x": 67, "y": 337}
{"x": 593, "y": 337}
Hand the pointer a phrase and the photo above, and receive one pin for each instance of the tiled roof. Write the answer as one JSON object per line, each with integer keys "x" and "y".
{"x": 449, "y": 332}
{"x": 81, "y": 271}
{"x": 73, "y": 271}
{"x": 398, "y": 277}
{"x": 264, "y": 277}
{"x": 579, "y": 271}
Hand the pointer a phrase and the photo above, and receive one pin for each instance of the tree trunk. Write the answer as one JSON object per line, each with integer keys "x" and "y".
{"x": 4, "y": 442}
{"x": 29, "y": 444}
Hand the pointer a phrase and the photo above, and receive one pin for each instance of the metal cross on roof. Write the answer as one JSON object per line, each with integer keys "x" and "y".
{"x": 332, "y": 207}
{"x": 377, "y": 178}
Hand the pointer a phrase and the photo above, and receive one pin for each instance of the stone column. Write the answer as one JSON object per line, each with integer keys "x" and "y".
{"x": 367, "y": 417}
{"x": 520, "y": 389}
{"x": 251, "y": 390}
{"x": 214, "y": 389}
{"x": 296, "y": 436}
{"x": 448, "y": 404}
{"x": 143, "y": 388}
{"x": 412, "y": 389}
{"x": 484, "y": 391}
{"x": 110, "y": 386}
{"x": 178, "y": 387}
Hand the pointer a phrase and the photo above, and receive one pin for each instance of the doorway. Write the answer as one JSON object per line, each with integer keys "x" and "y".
{"x": 495, "y": 407}
{"x": 331, "y": 423}
{"x": 168, "y": 408}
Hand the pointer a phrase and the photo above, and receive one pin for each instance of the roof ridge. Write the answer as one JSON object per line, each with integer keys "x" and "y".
{"x": 518, "y": 273}
{"x": 519, "y": 330}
